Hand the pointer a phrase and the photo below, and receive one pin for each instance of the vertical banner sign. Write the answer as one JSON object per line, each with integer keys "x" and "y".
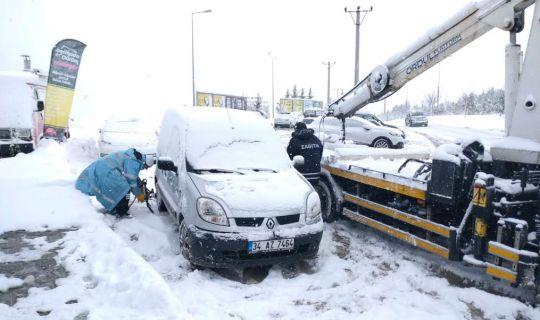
{"x": 65, "y": 62}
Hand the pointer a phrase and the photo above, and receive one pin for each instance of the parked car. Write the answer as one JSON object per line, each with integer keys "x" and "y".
{"x": 288, "y": 119}
{"x": 123, "y": 133}
{"x": 228, "y": 182}
{"x": 359, "y": 131}
{"x": 416, "y": 118}
{"x": 375, "y": 120}
{"x": 310, "y": 114}
{"x": 21, "y": 108}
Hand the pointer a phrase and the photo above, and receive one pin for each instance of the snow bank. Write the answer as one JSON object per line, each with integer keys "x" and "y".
{"x": 107, "y": 278}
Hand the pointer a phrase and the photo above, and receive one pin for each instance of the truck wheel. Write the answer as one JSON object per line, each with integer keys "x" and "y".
{"x": 381, "y": 142}
{"x": 328, "y": 201}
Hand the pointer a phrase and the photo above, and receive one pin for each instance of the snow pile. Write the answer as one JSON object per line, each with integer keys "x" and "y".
{"x": 107, "y": 278}
{"x": 8, "y": 283}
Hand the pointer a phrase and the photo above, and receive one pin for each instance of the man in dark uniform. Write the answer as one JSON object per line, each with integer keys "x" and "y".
{"x": 304, "y": 143}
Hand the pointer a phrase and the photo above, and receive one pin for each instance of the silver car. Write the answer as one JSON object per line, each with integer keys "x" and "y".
{"x": 360, "y": 131}
{"x": 227, "y": 181}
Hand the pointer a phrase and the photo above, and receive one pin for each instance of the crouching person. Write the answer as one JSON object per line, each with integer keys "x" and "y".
{"x": 304, "y": 143}
{"x": 112, "y": 177}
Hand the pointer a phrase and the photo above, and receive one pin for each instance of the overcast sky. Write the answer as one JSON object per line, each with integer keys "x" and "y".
{"x": 138, "y": 54}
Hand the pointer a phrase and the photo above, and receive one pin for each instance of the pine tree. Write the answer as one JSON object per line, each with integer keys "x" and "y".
{"x": 302, "y": 93}
{"x": 287, "y": 94}
{"x": 294, "y": 92}
{"x": 310, "y": 94}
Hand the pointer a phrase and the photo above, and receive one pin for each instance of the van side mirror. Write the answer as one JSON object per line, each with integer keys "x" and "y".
{"x": 298, "y": 161}
{"x": 166, "y": 164}
{"x": 40, "y": 106}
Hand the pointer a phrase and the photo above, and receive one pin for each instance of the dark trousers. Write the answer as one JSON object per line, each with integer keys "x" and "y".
{"x": 122, "y": 207}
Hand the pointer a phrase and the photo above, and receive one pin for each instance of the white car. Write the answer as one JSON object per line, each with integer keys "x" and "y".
{"x": 121, "y": 134}
{"x": 359, "y": 131}
{"x": 288, "y": 119}
{"x": 225, "y": 178}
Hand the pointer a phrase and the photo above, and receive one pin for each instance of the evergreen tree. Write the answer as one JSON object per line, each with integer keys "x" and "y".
{"x": 287, "y": 94}
{"x": 310, "y": 94}
{"x": 294, "y": 92}
{"x": 302, "y": 93}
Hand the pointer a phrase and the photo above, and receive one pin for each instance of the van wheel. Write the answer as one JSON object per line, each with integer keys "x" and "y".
{"x": 381, "y": 142}
{"x": 160, "y": 204}
{"x": 329, "y": 211}
{"x": 182, "y": 231}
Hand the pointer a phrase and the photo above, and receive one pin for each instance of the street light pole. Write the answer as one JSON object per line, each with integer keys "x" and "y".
{"x": 193, "y": 53}
{"x": 358, "y": 22}
{"x": 273, "y": 105}
{"x": 328, "y": 64}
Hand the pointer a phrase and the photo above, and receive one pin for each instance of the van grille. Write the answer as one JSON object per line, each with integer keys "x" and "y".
{"x": 288, "y": 219}
{"x": 5, "y": 134}
{"x": 248, "y": 222}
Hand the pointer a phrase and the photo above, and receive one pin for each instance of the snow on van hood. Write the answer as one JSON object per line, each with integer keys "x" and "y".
{"x": 258, "y": 193}
{"x": 17, "y": 106}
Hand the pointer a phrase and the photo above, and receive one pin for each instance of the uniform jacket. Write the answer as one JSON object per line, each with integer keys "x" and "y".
{"x": 110, "y": 178}
{"x": 307, "y": 145}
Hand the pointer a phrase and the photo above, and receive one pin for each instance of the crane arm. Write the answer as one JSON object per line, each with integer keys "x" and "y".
{"x": 467, "y": 25}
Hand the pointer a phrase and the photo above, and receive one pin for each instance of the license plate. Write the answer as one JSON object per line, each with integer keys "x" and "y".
{"x": 270, "y": 245}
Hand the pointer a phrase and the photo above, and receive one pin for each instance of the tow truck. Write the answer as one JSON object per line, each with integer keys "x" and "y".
{"x": 469, "y": 204}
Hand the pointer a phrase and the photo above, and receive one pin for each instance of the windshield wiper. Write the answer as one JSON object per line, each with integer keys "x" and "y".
{"x": 259, "y": 169}
{"x": 215, "y": 170}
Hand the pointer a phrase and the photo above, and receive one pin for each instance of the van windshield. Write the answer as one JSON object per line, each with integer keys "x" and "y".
{"x": 245, "y": 143}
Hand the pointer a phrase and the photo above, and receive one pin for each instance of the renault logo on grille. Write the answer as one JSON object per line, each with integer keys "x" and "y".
{"x": 270, "y": 224}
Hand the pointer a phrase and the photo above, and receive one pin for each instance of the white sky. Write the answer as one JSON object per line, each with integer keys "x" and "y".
{"x": 139, "y": 52}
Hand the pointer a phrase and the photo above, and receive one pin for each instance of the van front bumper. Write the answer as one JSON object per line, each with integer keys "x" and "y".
{"x": 11, "y": 149}
{"x": 225, "y": 250}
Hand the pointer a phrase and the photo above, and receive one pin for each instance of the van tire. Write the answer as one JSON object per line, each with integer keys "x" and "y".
{"x": 329, "y": 210}
{"x": 182, "y": 236}
{"x": 160, "y": 204}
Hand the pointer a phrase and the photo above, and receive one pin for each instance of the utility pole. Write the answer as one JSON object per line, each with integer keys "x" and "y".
{"x": 358, "y": 22}
{"x": 329, "y": 65}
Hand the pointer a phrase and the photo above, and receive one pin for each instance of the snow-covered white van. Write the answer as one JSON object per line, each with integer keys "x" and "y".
{"x": 21, "y": 112}
{"x": 227, "y": 181}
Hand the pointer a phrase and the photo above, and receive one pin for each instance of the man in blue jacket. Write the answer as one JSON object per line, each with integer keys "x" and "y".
{"x": 110, "y": 179}
{"x": 304, "y": 143}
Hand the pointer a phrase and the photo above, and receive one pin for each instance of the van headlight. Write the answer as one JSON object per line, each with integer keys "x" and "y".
{"x": 313, "y": 208}
{"x": 24, "y": 134}
{"x": 211, "y": 211}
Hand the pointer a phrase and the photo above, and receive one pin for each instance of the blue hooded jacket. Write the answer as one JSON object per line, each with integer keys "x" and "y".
{"x": 110, "y": 178}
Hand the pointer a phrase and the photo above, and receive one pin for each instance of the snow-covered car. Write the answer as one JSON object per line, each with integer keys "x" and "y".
{"x": 416, "y": 118}
{"x": 288, "y": 119}
{"x": 375, "y": 120}
{"x": 311, "y": 114}
{"x": 21, "y": 112}
{"x": 122, "y": 133}
{"x": 225, "y": 178}
{"x": 359, "y": 131}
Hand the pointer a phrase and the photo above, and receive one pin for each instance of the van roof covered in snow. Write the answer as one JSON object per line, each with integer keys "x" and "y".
{"x": 17, "y": 99}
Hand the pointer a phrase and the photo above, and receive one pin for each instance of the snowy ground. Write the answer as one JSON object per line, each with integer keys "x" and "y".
{"x": 132, "y": 269}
